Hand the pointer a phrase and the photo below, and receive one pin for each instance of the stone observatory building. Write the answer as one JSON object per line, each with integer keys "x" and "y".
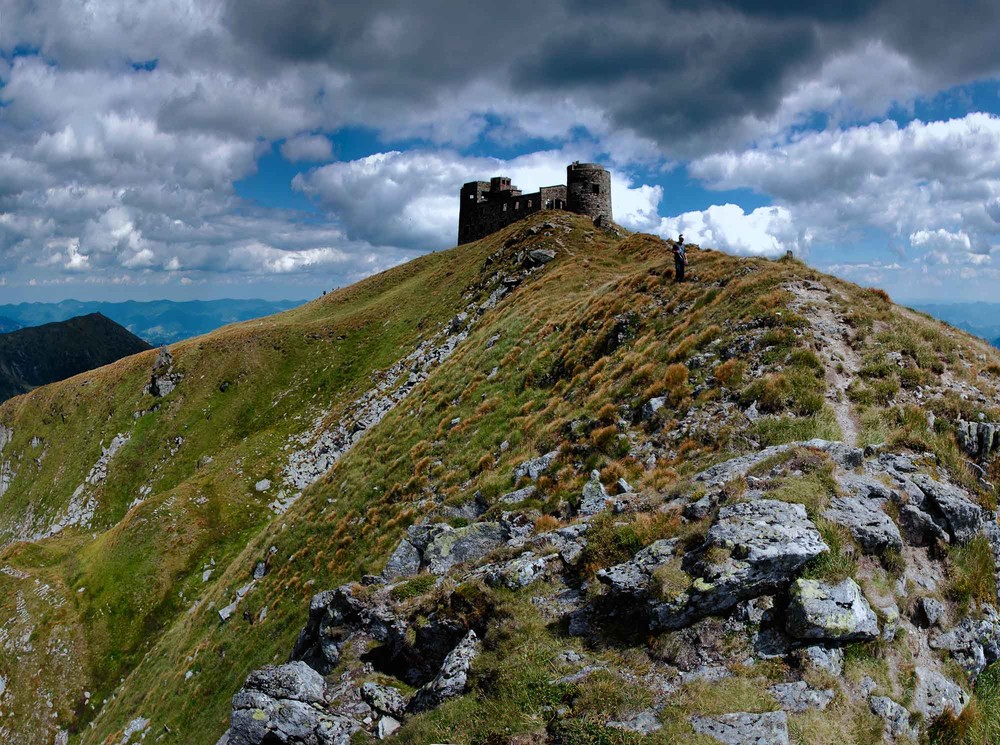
{"x": 487, "y": 206}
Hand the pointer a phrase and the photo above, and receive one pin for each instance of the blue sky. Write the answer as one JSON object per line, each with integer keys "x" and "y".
{"x": 236, "y": 149}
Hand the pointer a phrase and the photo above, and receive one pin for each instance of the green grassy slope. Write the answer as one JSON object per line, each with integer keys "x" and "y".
{"x": 127, "y": 626}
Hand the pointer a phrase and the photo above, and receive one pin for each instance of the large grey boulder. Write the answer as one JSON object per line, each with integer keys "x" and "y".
{"x": 285, "y": 705}
{"x": 632, "y": 578}
{"x": 453, "y": 546}
{"x": 934, "y": 694}
{"x": 752, "y": 549}
{"x": 770, "y": 728}
{"x": 452, "y": 677}
{"x": 822, "y": 611}
{"x": 962, "y": 517}
{"x": 871, "y": 527}
{"x": 827, "y": 659}
{"x": 535, "y": 467}
{"x": 404, "y": 561}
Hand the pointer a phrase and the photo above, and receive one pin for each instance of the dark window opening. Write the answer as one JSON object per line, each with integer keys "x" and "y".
{"x": 596, "y": 188}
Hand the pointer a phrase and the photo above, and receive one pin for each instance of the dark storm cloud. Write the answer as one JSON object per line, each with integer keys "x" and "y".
{"x": 692, "y": 76}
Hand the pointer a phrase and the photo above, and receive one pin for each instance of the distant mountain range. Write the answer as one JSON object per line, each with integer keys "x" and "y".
{"x": 981, "y": 319}
{"x": 35, "y": 356}
{"x": 158, "y": 321}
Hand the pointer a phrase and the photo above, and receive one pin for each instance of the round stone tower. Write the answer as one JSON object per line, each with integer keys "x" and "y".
{"x": 588, "y": 191}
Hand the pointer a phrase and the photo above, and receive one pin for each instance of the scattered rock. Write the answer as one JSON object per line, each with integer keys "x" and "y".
{"x": 262, "y": 485}
{"x": 644, "y": 723}
{"x": 934, "y": 694}
{"x": 974, "y": 643}
{"x": 541, "y": 256}
{"x": 651, "y": 408}
{"x": 516, "y": 497}
{"x": 840, "y": 612}
{"x": 523, "y": 571}
{"x": 384, "y": 699}
{"x": 931, "y": 611}
{"x": 895, "y": 718}
{"x": 535, "y": 467}
{"x": 770, "y": 728}
{"x": 595, "y": 497}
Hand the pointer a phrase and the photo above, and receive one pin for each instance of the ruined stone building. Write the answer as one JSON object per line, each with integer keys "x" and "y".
{"x": 488, "y": 206}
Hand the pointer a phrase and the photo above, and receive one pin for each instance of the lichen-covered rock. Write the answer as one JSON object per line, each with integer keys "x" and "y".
{"x": 453, "y": 546}
{"x": 523, "y": 571}
{"x": 753, "y": 548}
{"x": 798, "y": 697}
{"x": 535, "y": 467}
{"x": 871, "y": 527}
{"x": 827, "y": 659}
{"x": 895, "y": 718}
{"x": 770, "y": 728}
{"x": 285, "y": 705}
{"x": 568, "y": 541}
{"x": 651, "y": 408}
{"x": 632, "y": 578}
{"x": 934, "y": 694}
{"x": 452, "y": 677}
{"x": 974, "y": 643}
{"x": 404, "y": 561}
{"x": 595, "y": 497}
{"x": 384, "y": 699}
{"x": 840, "y": 612}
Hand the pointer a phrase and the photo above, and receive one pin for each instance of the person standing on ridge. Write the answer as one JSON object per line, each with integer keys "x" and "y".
{"x": 680, "y": 258}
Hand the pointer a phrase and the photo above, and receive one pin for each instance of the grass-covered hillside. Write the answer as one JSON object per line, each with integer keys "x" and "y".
{"x": 132, "y": 512}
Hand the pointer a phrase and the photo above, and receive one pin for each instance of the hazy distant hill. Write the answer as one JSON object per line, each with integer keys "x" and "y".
{"x": 35, "y": 356}
{"x": 8, "y": 324}
{"x": 981, "y": 319}
{"x": 158, "y": 321}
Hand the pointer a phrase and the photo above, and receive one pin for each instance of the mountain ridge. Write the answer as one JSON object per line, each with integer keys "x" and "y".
{"x": 34, "y": 356}
{"x": 157, "y": 321}
{"x": 184, "y": 535}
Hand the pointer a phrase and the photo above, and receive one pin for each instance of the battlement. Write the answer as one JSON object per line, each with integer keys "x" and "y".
{"x": 487, "y": 206}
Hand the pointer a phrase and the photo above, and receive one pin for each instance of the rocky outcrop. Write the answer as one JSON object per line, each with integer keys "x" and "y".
{"x": 286, "y": 705}
{"x": 836, "y": 613}
{"x": 981, "y": 440}
{"x": 164, "y": 379}
{"x": 595, "y": 497}
{"x": 799, "y": 697}
{"x": 752, "y": 549}
{"x": 451, "y": 679}
{"x": 535, "y": 467}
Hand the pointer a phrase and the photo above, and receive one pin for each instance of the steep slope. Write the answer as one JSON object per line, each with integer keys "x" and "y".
{"x": 176, "y": 546}
{"x": 43, "y": 354}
